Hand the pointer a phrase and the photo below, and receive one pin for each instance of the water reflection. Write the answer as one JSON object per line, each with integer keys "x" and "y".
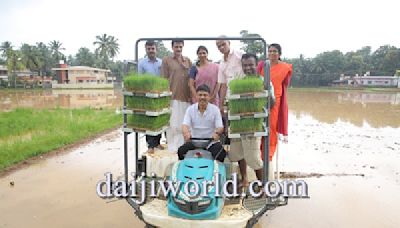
{"x": 376, "y": 109}
{"x": 10, "y": 100}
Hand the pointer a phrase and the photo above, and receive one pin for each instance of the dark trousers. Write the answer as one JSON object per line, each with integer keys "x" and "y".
{"x": 214, "y": 149}
{"x": 226, "y": 140}
{"x": 153, "y": 141}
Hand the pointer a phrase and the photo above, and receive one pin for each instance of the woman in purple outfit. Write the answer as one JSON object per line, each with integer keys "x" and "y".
{"x": 204, "y": 72}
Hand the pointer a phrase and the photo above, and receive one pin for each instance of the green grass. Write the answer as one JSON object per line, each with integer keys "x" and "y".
{"x": 145, "y": 83}
{"x": 152, "y": 123}
{"x": 249, "y": 84}
{"x": 146, "y": 103}
{"x": 242, "y": 106}
{"x": 246, "y": 125}
{"x": 25, "y": 133}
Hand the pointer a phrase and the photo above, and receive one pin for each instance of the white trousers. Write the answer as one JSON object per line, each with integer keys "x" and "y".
{"x": 174, "y": 132}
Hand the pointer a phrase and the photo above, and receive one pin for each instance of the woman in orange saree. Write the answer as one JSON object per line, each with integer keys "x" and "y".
{"x": 280, "y": 74}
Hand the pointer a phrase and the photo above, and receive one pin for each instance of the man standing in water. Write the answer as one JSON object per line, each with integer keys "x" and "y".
{"x": 246, "y": 150}
{"x": 176, "y": 69}
{"x": 151, "y": 65}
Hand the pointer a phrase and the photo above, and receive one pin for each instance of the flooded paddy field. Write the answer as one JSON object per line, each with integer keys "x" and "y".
{"x": 345, "y": 145}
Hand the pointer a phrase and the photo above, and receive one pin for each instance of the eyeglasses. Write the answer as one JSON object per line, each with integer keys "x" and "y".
{"x": 272, "y": 51}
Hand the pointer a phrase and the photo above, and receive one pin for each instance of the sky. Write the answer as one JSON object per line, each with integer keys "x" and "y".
{"x": 305, "y": 27}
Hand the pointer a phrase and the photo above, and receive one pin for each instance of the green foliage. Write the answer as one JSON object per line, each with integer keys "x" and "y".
{"x": 44, "y": 56}
{"x": 152, "y": 123}
{"x": 248, "y": 84}
{"x": 31, "y": 57}
{"x": 5, "y": 48}
{"x": 252, "y": 46}
{"x": 246, "y": 125}
{"x": 25, "y": 133}
{"x": 145, "y": 83}
{"x": 162, "y": 51}
{"x": 146, "y": 103}
{"x": 84, "y": 57}
{"x": 242, "y": 106}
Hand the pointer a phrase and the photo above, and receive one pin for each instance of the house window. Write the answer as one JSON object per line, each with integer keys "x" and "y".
{"x": 80, "y": 81}
{"x": 369, "y": 82}
{"x": 386, "y": 82}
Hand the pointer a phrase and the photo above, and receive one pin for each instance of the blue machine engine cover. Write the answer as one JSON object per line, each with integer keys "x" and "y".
{"x": 198, "y": 166}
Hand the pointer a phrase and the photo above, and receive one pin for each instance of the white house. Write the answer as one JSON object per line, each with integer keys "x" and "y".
{"x": 83, "y": 74}
{"x": 381, "y": 81}
{"x": 3, "y": 73}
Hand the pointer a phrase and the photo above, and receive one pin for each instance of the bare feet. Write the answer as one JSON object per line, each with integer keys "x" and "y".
{"x": 244, "y": 183}
{"x": 160, "y": 147}
{"x": 150, "y": 151}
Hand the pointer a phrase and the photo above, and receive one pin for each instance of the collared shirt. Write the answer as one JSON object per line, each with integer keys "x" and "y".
{"x": 178, "y": 75}
{"x": 148, "y": 66}
{"x": 203, "y": 125}
{"x": 231, "y": 68}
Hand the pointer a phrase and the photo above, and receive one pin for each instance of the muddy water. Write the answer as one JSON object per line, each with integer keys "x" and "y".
{"x": 10, "y": 100}
{"x": 61, "y": 191}
{"x": 346, "y": 146}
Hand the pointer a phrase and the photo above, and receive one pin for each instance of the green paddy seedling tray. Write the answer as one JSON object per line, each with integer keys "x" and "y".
{"x": 247, "y": 115}
{"x": 147, "y": 123}
{"x": 145, "y": 82}
{"x": 248, "y": 84}
{"x": 247, "y": 106}
{"x": 141, "y": 103}
{"x": 144, "y": 131}
{"x": 147, "y": 113}
{"x": 236, "y": 135}
{"x": 263, "y": 94}
{"x": 148, "y": 94}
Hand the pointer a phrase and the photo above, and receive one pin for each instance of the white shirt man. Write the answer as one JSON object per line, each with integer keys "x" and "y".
{"x": 202, "y": 120}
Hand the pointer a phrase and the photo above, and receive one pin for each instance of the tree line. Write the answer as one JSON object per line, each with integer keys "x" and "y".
{"x": 318, "y": 71}
{"x": 41, "y": 57}
{"x": 329, "y": 65}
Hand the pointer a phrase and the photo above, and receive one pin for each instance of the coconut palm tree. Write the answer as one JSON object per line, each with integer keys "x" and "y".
{"x": 56, "y": 47}
{"x": 107, "y": 47}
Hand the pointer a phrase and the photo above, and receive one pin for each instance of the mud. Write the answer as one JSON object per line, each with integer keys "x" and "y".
{"x": 297, "y": 175}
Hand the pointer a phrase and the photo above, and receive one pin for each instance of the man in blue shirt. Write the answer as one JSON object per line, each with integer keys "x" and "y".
{"x": 151, "y": 65}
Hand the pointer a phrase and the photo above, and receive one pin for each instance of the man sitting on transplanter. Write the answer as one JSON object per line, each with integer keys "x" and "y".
{"x": 203, "y": 120}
